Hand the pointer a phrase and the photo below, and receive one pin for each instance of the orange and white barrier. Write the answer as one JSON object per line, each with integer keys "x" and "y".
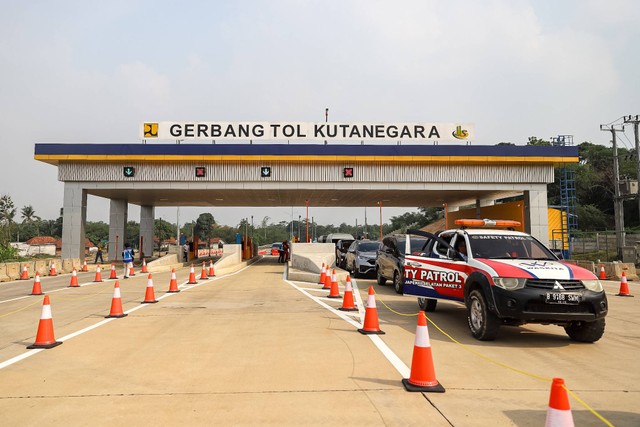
{"x": 84, "y": 266}
{"x": 113, "y": 272}
{"x": 323, "y": 274}
{"x": 212, "y": 273}
{"x": 144, "y": 266}
{"x": 45, "y": 337}
{"x": 25, "y": 273}
{"x": 52, "y": 269}
{"x": 37, "y": 288}
{"x": 370, "y": 324}
{"x": 559, "y": 412}
{"x": 116, "y": 303}
{"x": 192, "y": 276}
{"x": 423, "y": 375}
{"x": 334, "y": 292}
{"x": 74, "y": 279}
{"x": 624, "y": 287}
{"x": 149, "y": 296}
{"x": 203, "y": 273}
{"x": 98, "y": 277}
{"x": 173, "y": 283}
{"x": 347, "y": 299}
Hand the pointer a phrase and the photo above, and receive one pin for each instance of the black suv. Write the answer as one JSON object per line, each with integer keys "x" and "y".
{"x": 390, "y": 259}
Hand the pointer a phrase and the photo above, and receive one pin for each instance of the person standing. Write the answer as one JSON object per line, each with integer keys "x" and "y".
{"x": 127, "y": 259}
{"x": 99, "y": 254}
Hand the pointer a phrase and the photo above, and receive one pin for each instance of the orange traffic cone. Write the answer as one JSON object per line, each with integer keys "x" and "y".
{"x": 327, "y": 280}
{"x": 423, "y": 376}
{"x": 624, "y": 287}
{"x": 25, "y": 273}
{"x": 173, "y": 284}
{"x": 603, "y": 275}
{"x": 45, "y": 337}
{"x": 323, "y": 274}
{"x": 113, "y": 272}
{"x": 98, "y": 277}
{"x": 74, "y": 279}
{"x": 334, "y": 292}
{"x": 347, "y": 300}
{"x": 116, "y": 303}
{"x": 149, "y": 296}
{"x": 192, "y": 277}
{"x": 37, "y": 289}
{"x": 144, "y": 266}
{"x": 371, "y": 325}
{"x": 84, "y": 266}
{"x": 203, "y": 274}
{"x": 52, "y": 269}
{"x": 131, "y": 272}
{"x": 211, "y": 271}
{"x": 559, "y": 411}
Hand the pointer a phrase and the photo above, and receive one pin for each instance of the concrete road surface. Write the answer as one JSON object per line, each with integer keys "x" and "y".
{"x": 254, "y": 349}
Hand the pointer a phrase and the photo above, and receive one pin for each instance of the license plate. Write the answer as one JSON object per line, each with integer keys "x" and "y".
{"x": 562, "y": 298}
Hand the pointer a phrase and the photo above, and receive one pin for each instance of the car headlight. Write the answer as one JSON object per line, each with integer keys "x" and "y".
{"x": 509, "y": 283}
{"x": 593, "y": 285}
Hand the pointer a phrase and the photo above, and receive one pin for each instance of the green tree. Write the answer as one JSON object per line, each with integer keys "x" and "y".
{"x": 97, "y": 232}
{"x": 203, "y": 227}
{"x": 163, "y": 230}
{"x": 7, "y": 214}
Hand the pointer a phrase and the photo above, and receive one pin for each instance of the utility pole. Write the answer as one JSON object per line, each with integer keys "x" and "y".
{"x": 635, "y": 120}
{"x": 618, "y": 210}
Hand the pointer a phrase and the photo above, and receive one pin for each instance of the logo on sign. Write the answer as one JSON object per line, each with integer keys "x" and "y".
{"x": 265, "y": 172}
{"x": 129, "y": 171}
{"x": 150, "y": 130}
{"x": 347, "y": 172}
{"x": 460, "y": 133}
{"x": 201, "y": 172}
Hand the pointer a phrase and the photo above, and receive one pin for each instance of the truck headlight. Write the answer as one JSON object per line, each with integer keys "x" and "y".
{"x": 593, "y": 285}
{"x": 509, "y": 283}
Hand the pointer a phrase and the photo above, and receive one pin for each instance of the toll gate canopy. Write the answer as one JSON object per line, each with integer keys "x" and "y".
{"x": 274, "y": 175}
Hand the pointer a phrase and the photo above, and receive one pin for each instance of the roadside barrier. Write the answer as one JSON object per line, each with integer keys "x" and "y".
{"x": 370, "y": 325}
{"x": 74, "y": 279}
{"x": 624, "y": 287}
{"x": 347, "y": 300}
{"x": 192, "y": 276}
{"x": 559, "y": 411}
{"x": 334, "y": 292}
{"x": 173, "y": 283}
{"x": 37, "y": 288}
{"x": 149, "y": 295}
{"x": 423, "y": 374}
{"x": 116, "y": 303}
{"x": 45, "y": 337}
{"x": 203, "y": 274}
{"x": 98, "y": 277}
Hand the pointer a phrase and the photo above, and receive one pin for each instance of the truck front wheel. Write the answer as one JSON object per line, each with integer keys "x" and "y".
{"x": 585, "y": 331}
{"x": 483, "y": 323}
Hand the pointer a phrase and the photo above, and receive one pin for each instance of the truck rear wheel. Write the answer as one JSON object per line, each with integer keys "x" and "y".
{"x": 427, "y": 304}
{"x": 585, "y": 331}
{"x": 484, "y": 325}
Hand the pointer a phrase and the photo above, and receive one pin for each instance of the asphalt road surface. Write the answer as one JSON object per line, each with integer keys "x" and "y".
{"x": 254, "y": 349}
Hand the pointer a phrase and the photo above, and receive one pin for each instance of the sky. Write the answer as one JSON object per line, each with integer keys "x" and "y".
{"x": 93, "y": 71}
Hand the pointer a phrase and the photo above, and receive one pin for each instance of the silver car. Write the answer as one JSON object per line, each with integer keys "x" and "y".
{"x": 360, "y": 258}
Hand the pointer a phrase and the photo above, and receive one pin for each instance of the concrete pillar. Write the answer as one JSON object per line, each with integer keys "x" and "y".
{"x": 74, "y": 217}
{"x": 147, "y": 217}
{"x": 118, "y": 212}
{"x": 536, "y": 214}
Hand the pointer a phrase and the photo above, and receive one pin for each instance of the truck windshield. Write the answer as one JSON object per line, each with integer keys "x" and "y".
{"x": 499, "y": 246}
